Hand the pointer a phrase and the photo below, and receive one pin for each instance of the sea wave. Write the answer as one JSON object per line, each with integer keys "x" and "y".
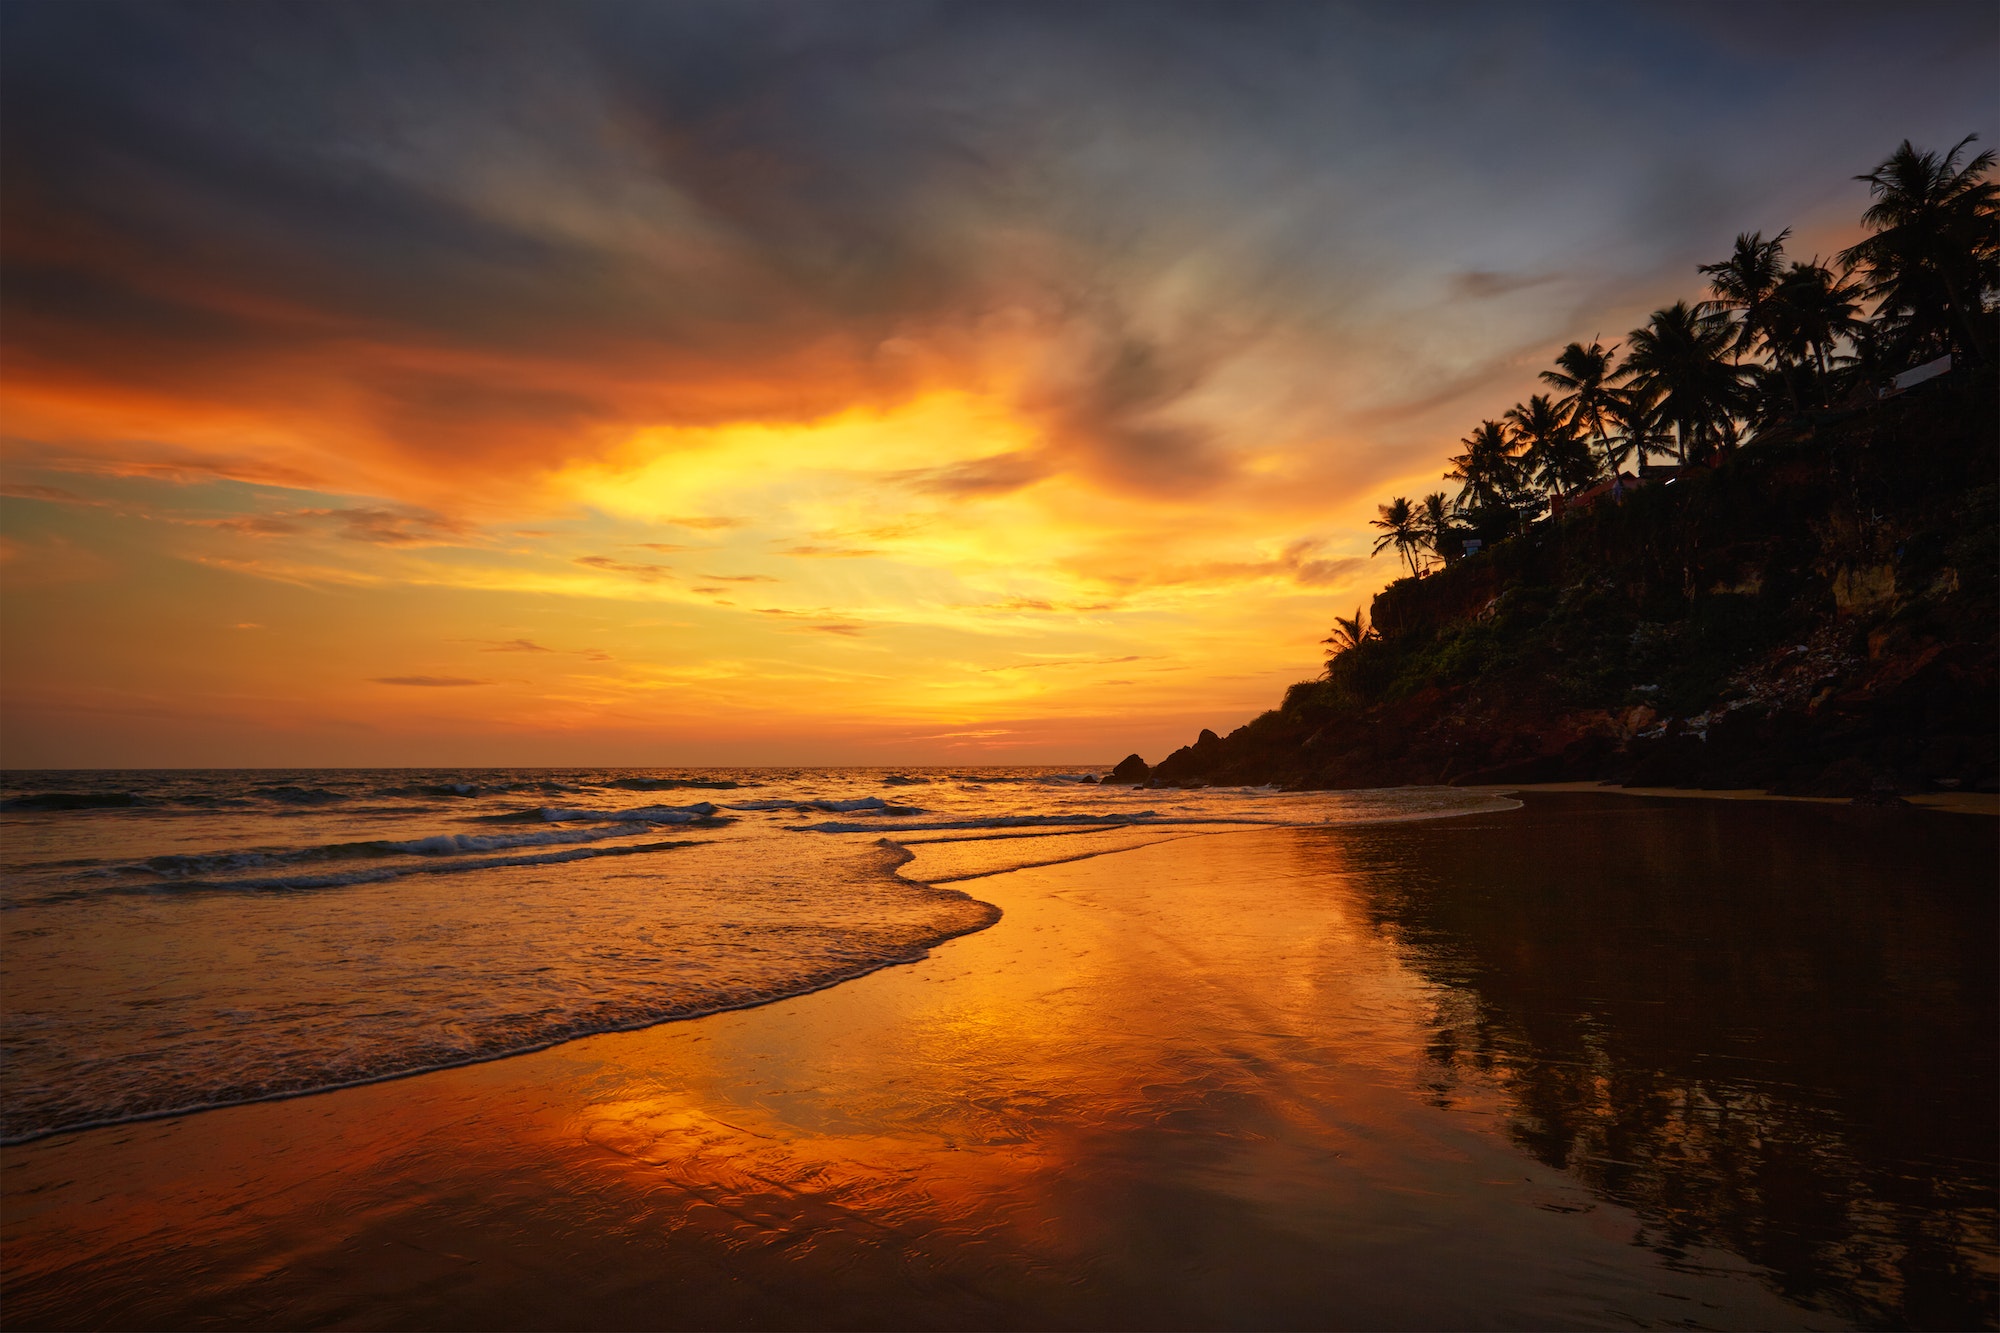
{"x": 347, "y": 878}
{"x": 222, "y": 996}
{"x": 182, "y": 865}
{"x": 670, "y": 784}
{"x": 72, "y": 800}
{"x": 699, "y": 812}
{"x": 1014, "y": 821}
{"x": 624, "y": 992}
{"x": 861, "y": 805}
{"x": 288, "y": 795}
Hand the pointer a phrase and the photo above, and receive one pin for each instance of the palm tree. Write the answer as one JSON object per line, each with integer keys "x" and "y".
{"x": 1935, "y": 251}
{"x": 1678, "y": 359}
{"x": 1639, "y": 429}
{"x": 1811, "y": 313}
{"x": 1486, "y": 467}
{"x": 1770, "y": 396}
{"x": 1348, "y": 634}
{"x": 1492, "y": 493}
{"x": 1589, "y": 401}
{"x": 1442, "y": 532}
{"x": 1550, "y": 450}
{"x": 1400, "y": 528}
{"x": 1746, "y": 281}
{"x": 1872, "y": 361}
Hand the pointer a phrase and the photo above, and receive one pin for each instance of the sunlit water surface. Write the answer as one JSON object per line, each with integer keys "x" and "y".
{"x": 1596, "y": 1061}
{"x": 196, "y": 939}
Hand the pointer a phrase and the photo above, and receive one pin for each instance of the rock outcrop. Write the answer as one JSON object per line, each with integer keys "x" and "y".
{"x": 1817, "y": 616}
{"x": 1131, "y": 771}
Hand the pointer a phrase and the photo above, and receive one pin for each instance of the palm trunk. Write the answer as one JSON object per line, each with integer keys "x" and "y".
{"x": 1791, "y": 385}
{"x": 1958, "y": 308}
{"x": 1617, "y": 482}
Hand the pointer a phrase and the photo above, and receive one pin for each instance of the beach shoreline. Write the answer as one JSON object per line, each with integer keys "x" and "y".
{"x": 1188, "y": 1084}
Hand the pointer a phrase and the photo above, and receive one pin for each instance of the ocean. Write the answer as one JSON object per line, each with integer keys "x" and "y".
{"x": 192, "y": 939}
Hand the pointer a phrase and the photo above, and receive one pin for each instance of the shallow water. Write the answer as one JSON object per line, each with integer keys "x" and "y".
{"x": 1596, "y": 1062}
{"x": 197, "y": 939}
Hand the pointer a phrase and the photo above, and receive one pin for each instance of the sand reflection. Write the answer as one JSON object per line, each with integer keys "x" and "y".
{"x": 1767, "y": 1028}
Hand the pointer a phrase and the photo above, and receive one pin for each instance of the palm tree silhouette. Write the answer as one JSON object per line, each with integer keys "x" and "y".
{"x": 1550, "y": 450}
{"x": 1492, "y": 490}
{"x": 1486, "y": 467}
{"x": 1935, "y": 250}
{"x": 1639, "y": 429}
{"x": 1678, "y": 359}
{"x": 1348, "y": 633}
{"x": 1589, "y": 400}
{"x": 1442, "y": 532}
{"x": 1811, "y": 313}
{"x": 1401, "y": 529}
{"x": 1746, "y": 281}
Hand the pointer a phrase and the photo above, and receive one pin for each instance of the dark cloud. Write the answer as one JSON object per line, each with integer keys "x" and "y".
{"x": 255, "y": 525}
{"x": 643, "y": 573}
{"x": 393, "y": 527}
{"x": 375, "y": 526}
{"x": 29, "y": 491}
{"x": 995, "y": 474}
{"x": 1071, "y": 662}
{"x": 428, "y": 682}
{"x": 813, "y": 622}
{"x": 482, "y": 237}
{"x": 1299, "y": 563}
{"x": 705, "y": 522}
{"x": 1042, "y": 604}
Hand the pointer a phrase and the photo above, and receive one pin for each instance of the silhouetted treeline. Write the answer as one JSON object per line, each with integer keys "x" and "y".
{"x": 1775, "y": 340}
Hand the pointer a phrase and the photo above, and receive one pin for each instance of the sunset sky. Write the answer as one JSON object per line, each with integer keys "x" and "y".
{"x": 878, "y": 383}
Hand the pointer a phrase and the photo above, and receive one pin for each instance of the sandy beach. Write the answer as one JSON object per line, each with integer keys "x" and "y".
{"x": 1390, "y": 1076}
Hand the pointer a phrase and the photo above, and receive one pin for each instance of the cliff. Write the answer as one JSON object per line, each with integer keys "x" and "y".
{"x": 1817, "y": 615}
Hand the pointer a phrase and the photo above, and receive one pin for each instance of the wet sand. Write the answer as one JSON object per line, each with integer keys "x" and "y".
{"x": 1601, "y": 1062}
{"x": 1957, "y": 802}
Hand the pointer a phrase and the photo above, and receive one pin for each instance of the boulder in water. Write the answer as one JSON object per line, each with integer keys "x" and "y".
{"x": 1131, "y": 770}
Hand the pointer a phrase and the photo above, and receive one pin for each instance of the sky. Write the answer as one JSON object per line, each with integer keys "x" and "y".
{"x": 437, "y": 384}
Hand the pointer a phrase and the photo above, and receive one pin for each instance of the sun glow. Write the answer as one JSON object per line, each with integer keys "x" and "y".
{"x": 928, "y": 578}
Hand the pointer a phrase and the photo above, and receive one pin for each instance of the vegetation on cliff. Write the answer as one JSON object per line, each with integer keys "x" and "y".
{"x": 1805, "y": 601}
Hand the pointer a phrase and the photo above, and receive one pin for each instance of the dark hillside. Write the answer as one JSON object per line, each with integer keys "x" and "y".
{"x": 1815, "y": 615}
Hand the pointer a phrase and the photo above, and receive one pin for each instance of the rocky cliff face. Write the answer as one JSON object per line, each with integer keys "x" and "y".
{"x": 1818, "y": 616}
